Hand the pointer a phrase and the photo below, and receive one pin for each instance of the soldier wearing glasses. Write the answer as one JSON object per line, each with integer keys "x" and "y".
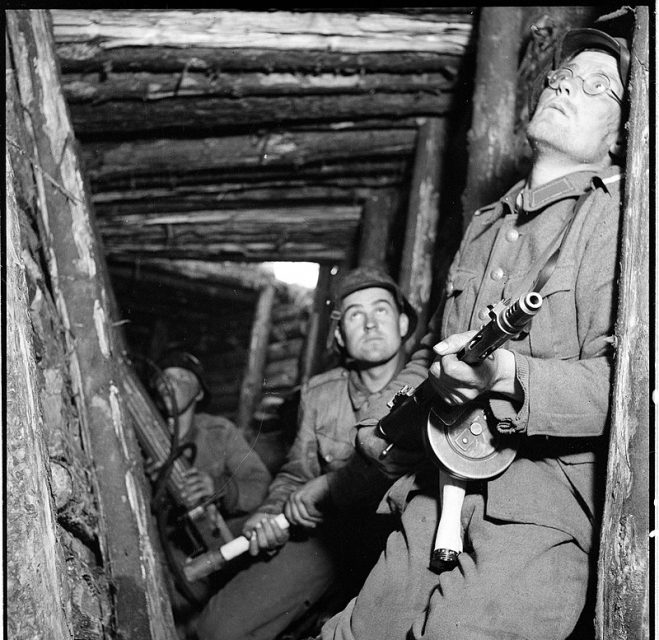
{"x": 530, "y": 534}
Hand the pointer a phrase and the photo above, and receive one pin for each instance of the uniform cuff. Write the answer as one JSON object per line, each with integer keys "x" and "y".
{"x": 510, "y": 417}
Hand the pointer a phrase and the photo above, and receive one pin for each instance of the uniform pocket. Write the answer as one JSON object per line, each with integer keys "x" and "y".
{"x": 333, "y": 449}
{"x": 554, "y": 329}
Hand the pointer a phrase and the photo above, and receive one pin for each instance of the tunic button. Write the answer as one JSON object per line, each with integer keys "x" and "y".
{"x": 328, "y": 457}
{"x": 449, "y": 287}
{"x": 512, "y": 235}
{"x": 483, "y": 314}
{"x": 496, "y": 274}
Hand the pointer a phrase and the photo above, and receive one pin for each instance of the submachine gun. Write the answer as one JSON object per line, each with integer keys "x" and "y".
{"x": 461, "y": 438}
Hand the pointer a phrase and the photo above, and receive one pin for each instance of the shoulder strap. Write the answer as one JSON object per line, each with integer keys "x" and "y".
{"x": 548, "y": 264}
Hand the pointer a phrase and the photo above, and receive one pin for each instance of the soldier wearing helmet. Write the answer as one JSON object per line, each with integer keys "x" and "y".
{"x": 335, "y": 512}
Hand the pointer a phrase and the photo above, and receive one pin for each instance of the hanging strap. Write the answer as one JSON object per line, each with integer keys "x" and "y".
{"x": 549, "y": 257}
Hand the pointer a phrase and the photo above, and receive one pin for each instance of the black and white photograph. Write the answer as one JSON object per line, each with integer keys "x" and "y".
{"x": 329, "y": 323}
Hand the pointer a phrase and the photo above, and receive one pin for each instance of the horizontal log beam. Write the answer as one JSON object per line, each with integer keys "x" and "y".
{"x": 105, "y": 161}
{"x": 273, "y": 30}
{"x": 98, "y": 88}
{"x": 307, "y": 219}
{"x": 180, "y": 115}
{"x": 376, "y": 173}
{"x": 286, "y": 195}
{"x": 238, "y": 251}
{"x": 227, "y": 274}
{"x": 87, "y": 57}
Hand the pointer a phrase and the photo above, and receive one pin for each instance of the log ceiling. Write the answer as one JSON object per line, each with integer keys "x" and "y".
{"x": 211, "y": 139}
{"x": 252, "y": 135}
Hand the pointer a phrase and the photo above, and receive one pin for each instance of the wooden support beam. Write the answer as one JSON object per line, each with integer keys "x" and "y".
{"x": 34, "y": 564}
{"x": 318, "y": 325}
{"x": 293, "y": 193}
{"x": 379, "y": 213}
{"x": 347, "y": 173}
{"x": 109, "y": 161}
{"x": 253, "y": 380}
{"x": 491, "y": 167}
{"x": 206, "y": 115}
{"x": 98, "y": 88}
{"x": 272, "y": 30}
{"x": 86, "y": 58}
{"x": 416, "y": 271}
{"x": 623, "y": 594}
{"x": 75, "y": 265}
{"x": 313, "y": 233}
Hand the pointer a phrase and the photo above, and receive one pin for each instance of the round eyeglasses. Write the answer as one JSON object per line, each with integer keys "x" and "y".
{"x": 593, "y": 84}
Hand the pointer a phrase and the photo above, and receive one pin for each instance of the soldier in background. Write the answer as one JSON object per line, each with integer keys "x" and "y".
{"x": 335, "y": 534}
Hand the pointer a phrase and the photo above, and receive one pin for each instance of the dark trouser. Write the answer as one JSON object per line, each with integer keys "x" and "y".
{"x": 521, "y": 581}
{"x": 266, "y": 596}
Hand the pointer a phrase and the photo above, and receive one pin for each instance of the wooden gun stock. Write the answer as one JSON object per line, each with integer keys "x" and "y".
{"x": 201, "y": 566}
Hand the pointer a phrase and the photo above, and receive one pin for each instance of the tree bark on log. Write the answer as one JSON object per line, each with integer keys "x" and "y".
{"x": 423, "y": 213}
{"x": 124, "y": 119}
{"x": 75, "y": 267}
{"x": 87, "y": 57}
{"x": 377, "y": 173}
{"x": 273, "y": 30}
{"x": 377, "y": 217}
{"x": 252, "y": 384}
{"x": 294, "y": 234}
{"x": 35, "y": 565}
{"x": 146, "y": 87}
{"x": 623, "y": 606}
{"x": 121, "y": 204}
{"x": 107, "y": 161}
{"x": 318, "y": 327}
{"x": 491, "y": 165}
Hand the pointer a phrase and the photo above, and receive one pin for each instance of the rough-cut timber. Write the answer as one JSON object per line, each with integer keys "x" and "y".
{"x": 345, "y": 32}
{"x": 146, "y": 87}
{"x": 76, "y": 274}
{"x": 105, "y": 162}
{"x": 491, "y": 166}
{"x": 379, "y": 211}
{"x": 35, "y": 565}
{"x": 623, "y": 602}
{"x": 309, "y": 233}
{"x": 258, "y": 349}
{"x": 206, "y": 115}
{"x": 376, "y": 173}
{"x": 416, "y": 265}
{"x": 316, "y": 338}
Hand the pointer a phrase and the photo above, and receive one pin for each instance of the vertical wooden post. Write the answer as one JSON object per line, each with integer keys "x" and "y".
{"x": 423, "y": 213}
{"x": 252, "y": 384}
{"x": 377, "y": 217}
{"x": 76, "y": 268}
{"x": 314, "y": 346}
{"x": 623, "y": 587}
{"x": 491, "y": 164}
{"x": 34, "y": 566}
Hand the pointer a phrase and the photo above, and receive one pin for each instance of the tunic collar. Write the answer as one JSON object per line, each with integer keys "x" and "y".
{"x": 358, "y": 391}
{"x": 569, "y": 186}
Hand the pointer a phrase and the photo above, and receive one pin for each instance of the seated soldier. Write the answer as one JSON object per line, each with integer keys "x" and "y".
{"x": 223, "y": 464}
{"x": 344, "y": 536}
